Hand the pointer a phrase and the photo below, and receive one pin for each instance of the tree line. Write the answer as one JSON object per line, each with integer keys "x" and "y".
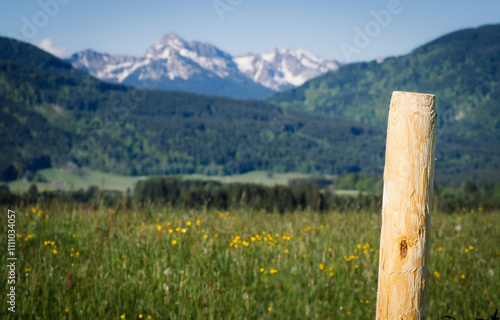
{"x": 300, "y": 194}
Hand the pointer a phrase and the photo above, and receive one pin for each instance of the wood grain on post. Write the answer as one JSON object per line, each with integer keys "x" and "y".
{"x": 407, "y": 206}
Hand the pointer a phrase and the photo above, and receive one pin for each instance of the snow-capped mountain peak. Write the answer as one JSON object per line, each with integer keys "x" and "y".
{"x": 173, "y": 49}
{"x": 163, "y": 49}
{"x": 174, "y": 63}
{"x": 171, "y": 37}
{"x": 114, "y": 68}
{"x": 282, "y": 69}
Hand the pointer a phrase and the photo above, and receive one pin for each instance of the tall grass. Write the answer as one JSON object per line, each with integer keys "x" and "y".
{"x": 164, "y": 263}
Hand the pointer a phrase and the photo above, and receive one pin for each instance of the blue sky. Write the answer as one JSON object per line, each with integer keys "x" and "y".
{"x": 326, "y": 28}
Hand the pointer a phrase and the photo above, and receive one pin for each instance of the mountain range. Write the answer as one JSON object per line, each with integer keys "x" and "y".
{"x": 54, "y": 115}
{"x": 175, "y": 64}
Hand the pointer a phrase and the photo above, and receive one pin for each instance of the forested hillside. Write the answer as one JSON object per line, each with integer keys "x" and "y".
{"x": 52, "y": 115}
{"x": 462, "y": 69}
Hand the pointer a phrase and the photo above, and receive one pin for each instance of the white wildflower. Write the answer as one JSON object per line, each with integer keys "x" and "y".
{"x": 167, "y": 271}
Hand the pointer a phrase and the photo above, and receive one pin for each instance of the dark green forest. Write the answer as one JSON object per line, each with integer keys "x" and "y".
{"x": 303, "y": 194}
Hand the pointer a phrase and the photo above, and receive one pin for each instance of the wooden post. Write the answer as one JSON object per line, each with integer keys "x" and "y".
{"x": 407, "y": 206}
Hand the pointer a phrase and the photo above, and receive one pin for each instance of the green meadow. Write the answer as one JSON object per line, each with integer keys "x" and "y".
{"x": 83, "y": 178}
{"x": 165, "y": 263}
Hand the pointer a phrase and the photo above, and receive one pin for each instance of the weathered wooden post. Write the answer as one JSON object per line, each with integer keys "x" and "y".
{"x": 407, "y": 206}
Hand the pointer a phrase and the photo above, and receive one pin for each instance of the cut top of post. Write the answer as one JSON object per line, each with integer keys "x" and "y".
{"x": 411, "y": 102}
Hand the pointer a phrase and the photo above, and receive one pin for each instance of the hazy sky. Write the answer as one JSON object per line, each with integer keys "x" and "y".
{"x": 330, "y": 29}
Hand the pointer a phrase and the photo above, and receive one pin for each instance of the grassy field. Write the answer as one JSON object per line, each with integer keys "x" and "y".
{"x": 163, "y": 263}
{"x": 84, "y": 178}
{"x": 77, "y": 179}
{"x": 258, "y": 177}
